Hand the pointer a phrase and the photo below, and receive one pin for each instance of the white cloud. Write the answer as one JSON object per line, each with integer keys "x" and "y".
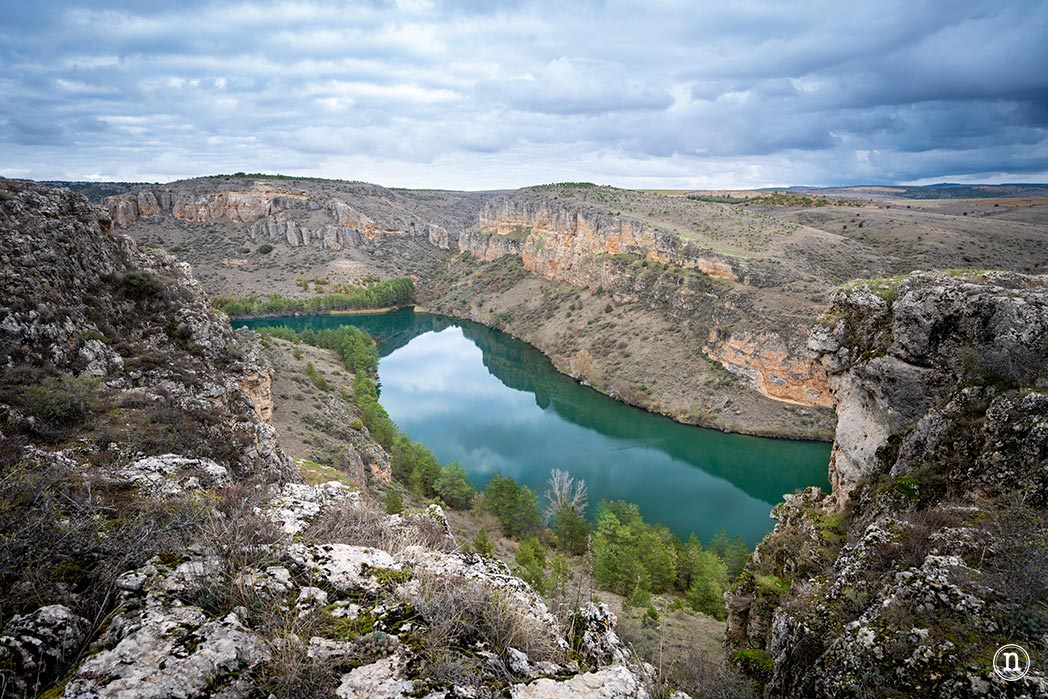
{"x": 497, "y": 94}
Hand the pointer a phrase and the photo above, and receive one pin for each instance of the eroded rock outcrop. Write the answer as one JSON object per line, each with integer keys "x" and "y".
{"x": 772, "y": 366}
{"x": 368, "y": 621}
{"x": 932, "y": 550}
{"x": 271, "y": 211}
{"x": 637, "y": 263}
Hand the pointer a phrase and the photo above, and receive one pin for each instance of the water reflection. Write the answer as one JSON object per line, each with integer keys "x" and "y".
{"x": 479, "y": 397}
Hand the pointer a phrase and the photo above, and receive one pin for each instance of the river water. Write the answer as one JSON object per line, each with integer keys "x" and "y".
{"x": 494, "y": 404}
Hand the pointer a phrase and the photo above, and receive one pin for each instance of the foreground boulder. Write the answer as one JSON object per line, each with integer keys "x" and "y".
{"x": 343, "y": 620}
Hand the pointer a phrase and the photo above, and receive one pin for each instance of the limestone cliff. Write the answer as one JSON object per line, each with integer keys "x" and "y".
{"x": 561, "y": 241}
{"x": 932, "y": 549}
{"x": 777, "y": 370}
{"x": 593, "y": 250}
{"x": 271, "y": 210}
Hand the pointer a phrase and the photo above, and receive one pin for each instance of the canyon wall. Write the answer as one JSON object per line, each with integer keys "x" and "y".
{"x": 559, "y": 241}
{"x": 270, "y": 213}
{"x": 931, "y": 551}
{"x": 592, "y": 250}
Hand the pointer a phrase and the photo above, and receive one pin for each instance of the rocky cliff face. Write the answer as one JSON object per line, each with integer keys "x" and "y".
{"x": 932, "y": 550}
{"x": 561, "y": 241}
{"x": 273, "y": 212}
{"x": 79, "y": 299}
{"x": 155, "y": 541}
{"x": 595, "y": 250}
{"x": 777, "y": 370}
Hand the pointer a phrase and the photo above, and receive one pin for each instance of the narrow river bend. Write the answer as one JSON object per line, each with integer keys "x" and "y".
{"x": 492, "y": 403}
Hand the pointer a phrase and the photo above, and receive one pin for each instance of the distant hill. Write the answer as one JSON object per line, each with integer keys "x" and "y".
{"x": 944, "y": 190}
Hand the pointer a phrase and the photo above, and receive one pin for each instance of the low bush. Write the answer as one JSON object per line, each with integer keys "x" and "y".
{"x": 141, "y": 286}
{"x": 461, "y": 612}
{"x": 62, "y": 542}
{"x": 60, "y": 404}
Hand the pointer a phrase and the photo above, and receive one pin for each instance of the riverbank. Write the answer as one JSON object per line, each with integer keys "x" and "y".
{"x": 490, "y": 393}
{"x": 638, "y": 355}
{"x": 715, "y": 418}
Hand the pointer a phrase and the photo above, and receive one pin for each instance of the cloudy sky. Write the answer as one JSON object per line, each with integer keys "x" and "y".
{"x": 499, "y": 93}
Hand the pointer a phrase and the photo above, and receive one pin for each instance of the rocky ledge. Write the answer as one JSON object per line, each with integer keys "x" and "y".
{"x": 400, "y": 613}
{"x": 932, "y": 550}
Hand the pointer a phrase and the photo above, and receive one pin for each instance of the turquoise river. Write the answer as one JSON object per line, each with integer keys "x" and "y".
{"x": 494, "y": 404}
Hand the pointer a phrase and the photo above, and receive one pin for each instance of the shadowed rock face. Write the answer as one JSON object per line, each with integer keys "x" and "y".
{"x": 932, "y": 549}
{"x": 893, "y": 362}
{"x": 81, "y": 299}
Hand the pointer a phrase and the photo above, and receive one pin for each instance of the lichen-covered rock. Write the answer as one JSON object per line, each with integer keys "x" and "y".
{"x": 612, "y": 682}
{"x": 595, "y": 630}
{"x": 296, "y": 505}
{"x": 35, "y": 645}
{"x": 168, "y": 653}
{"x": 382, "y": 679}
{"x": 199, "y": 626}
{"x": 171, "y": 474}
{"x": 342, "y": 566}
{"x": 932, "y": 550}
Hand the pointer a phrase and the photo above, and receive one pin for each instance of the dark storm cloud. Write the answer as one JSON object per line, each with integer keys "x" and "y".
{"x": 491, "y": 94}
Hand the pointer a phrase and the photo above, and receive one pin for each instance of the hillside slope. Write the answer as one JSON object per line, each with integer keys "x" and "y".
{"x": 156, "y": 541}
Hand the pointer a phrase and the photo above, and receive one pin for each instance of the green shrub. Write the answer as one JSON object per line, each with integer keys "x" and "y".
{"x": 651, "y": 616}
{"x": 454, "y": 488}
{"x": 755, "y": 663}
{"x": 413, "y": 464}
{"x": 394, "y": 503}
{"x": 516, "y": 507}
{"x": 281, "y": 331}
{"x": 530, "y": 562}
{"x": 355, "y": 348}
{"x": 628, "y": 552}
{"x": 141, "y": 286}
{"x": 571, "y": 529}
{"x": 60, "y": 404}
{"x": 482, "y": 543}
{"x": 265, "y": 249}
{"x": 706, "y": 596}
{"x": 317, "y": 378}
